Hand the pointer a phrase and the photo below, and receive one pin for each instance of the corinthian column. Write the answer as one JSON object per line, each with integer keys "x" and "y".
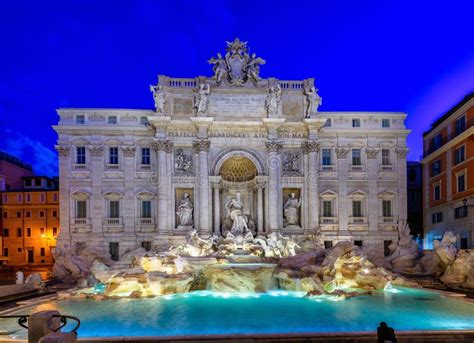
{"x": 260, "y": 187}
{"x": 312, "y": 148}
{"x": 161, "y": 147}
{"x": 274, "y": 186}
{"x": 402, "y": 181}
{"x": 217, "y": 208}
{"x": 202, "y": 179}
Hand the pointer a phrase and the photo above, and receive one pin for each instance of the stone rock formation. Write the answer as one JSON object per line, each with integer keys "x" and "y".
{"x": 460, "y": 274}
{"x": 403, "y": 254}
{"x": 240, "y": 277}
{"x": 34, "y": 279}
{"x": 73, "y": 265}
{"x": 151, "y": 273}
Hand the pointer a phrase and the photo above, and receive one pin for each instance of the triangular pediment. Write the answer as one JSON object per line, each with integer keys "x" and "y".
{"x": 328, "y": 193}
{"x": 358, "y": 193}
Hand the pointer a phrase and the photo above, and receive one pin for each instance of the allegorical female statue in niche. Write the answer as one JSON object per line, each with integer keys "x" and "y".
{"x": 291, "y": 209}
{"x": 185, "y": 211}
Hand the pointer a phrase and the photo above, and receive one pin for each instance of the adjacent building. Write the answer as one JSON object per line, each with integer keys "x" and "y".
{"x": 30, "y": 221}
{"x": 227, "y": 148}
{"x": 12, "y": 169}
{"x": 448, "y": 175}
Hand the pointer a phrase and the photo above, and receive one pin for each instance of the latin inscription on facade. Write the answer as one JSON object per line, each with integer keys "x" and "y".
{"x": 234, "y": 105}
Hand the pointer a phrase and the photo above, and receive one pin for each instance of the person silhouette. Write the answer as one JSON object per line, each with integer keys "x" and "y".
{"x": 385, "y": 334}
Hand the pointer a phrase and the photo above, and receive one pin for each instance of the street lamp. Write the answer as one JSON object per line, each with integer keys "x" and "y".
{"x": 464, "y": 201}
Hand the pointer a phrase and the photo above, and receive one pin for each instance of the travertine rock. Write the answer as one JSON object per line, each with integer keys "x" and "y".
{"x": 34, "y": 279}
{"x": 461, "y": 271}
{"x": 240, "y": 278}
{"x": 302, "y": 260}
{"x": 404, "y": 252}
{"x": 446, "y": 248}
{"x": 162, "y": 283}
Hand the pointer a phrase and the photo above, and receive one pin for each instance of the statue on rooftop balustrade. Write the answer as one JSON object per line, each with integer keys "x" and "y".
{"x": 314, "y": 101}
{"x": 201, "y": 100}
{"x": 159, "y": 97}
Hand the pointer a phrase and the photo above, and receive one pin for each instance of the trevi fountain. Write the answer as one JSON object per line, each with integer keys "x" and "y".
{"x": 237, "y": 207}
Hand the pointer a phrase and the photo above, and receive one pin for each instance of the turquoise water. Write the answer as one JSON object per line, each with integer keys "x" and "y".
{"x": 275, "y": 312}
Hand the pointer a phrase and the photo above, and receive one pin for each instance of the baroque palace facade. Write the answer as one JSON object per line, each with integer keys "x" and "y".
{"x": 232, "y": 152}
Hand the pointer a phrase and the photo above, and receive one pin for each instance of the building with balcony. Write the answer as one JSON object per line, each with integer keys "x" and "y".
{"x": 226, "y": 151}
{"x": 448, "y": 175}
{"x": 30, "y": 222}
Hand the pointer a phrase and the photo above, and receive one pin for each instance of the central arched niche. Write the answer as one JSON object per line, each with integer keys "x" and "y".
{"x": 238, "y": 169}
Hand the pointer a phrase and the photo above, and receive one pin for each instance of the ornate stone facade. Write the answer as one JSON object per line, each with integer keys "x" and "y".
{"x": 245, "y": 153}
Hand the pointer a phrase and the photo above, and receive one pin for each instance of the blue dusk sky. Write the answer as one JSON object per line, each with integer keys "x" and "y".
{"x": 410, "y": 56}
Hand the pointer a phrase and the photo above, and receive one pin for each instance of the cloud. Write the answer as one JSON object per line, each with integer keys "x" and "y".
{"x": 43, "y": 159}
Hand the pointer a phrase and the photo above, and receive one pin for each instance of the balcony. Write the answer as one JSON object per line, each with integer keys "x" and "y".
{"x": 385, "y": 168}
{"x": 113, "y": 167}
{"x": 81, "y": 166}
{"x": 328, "y": 220}
{"x": 358, "y": 220}
{"x": 388, "y": 221}
{"x": 357, "y": 168}
{"x": 144, "y": 167}
{"x": 80, "y": 225}
{"x": 80, "y": 221}
{"x": 146, "y": 221}
{"x": 113, "y": 222}
{"x": 327, "y": 168}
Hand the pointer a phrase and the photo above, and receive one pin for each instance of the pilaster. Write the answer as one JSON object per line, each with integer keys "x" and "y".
{"x": 312, "y": 149}
{"x": 201, "y": 147}
{"x": 129, "y": 215}
{"x": 402, "y": 181}
{"x": 161, "y": 146}
{"x": 342, "y": 172}
{"x": 65, "y": 215}
{"x": 274, "y": 184}
{"x": 97, "y": 213}
{"x": 373, "y": 197}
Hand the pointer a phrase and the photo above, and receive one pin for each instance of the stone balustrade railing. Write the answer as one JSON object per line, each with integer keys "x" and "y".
{"x": 177, "y": 82}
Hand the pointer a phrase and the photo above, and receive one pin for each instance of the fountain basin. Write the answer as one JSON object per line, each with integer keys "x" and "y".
{"x": 275, "y": 312}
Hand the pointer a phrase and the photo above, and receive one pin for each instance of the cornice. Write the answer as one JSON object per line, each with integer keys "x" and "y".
{"x": 456, "y": 140}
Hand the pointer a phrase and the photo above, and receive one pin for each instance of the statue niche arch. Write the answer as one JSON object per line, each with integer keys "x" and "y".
{"x": 237, "y": 199}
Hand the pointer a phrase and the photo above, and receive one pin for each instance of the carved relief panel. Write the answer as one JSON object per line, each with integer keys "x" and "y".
{"x": 183, "y": 161}
{"x": 291, "y": 162}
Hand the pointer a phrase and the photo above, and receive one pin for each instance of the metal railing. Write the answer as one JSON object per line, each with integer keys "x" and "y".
{"x": 23, "y": 320}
